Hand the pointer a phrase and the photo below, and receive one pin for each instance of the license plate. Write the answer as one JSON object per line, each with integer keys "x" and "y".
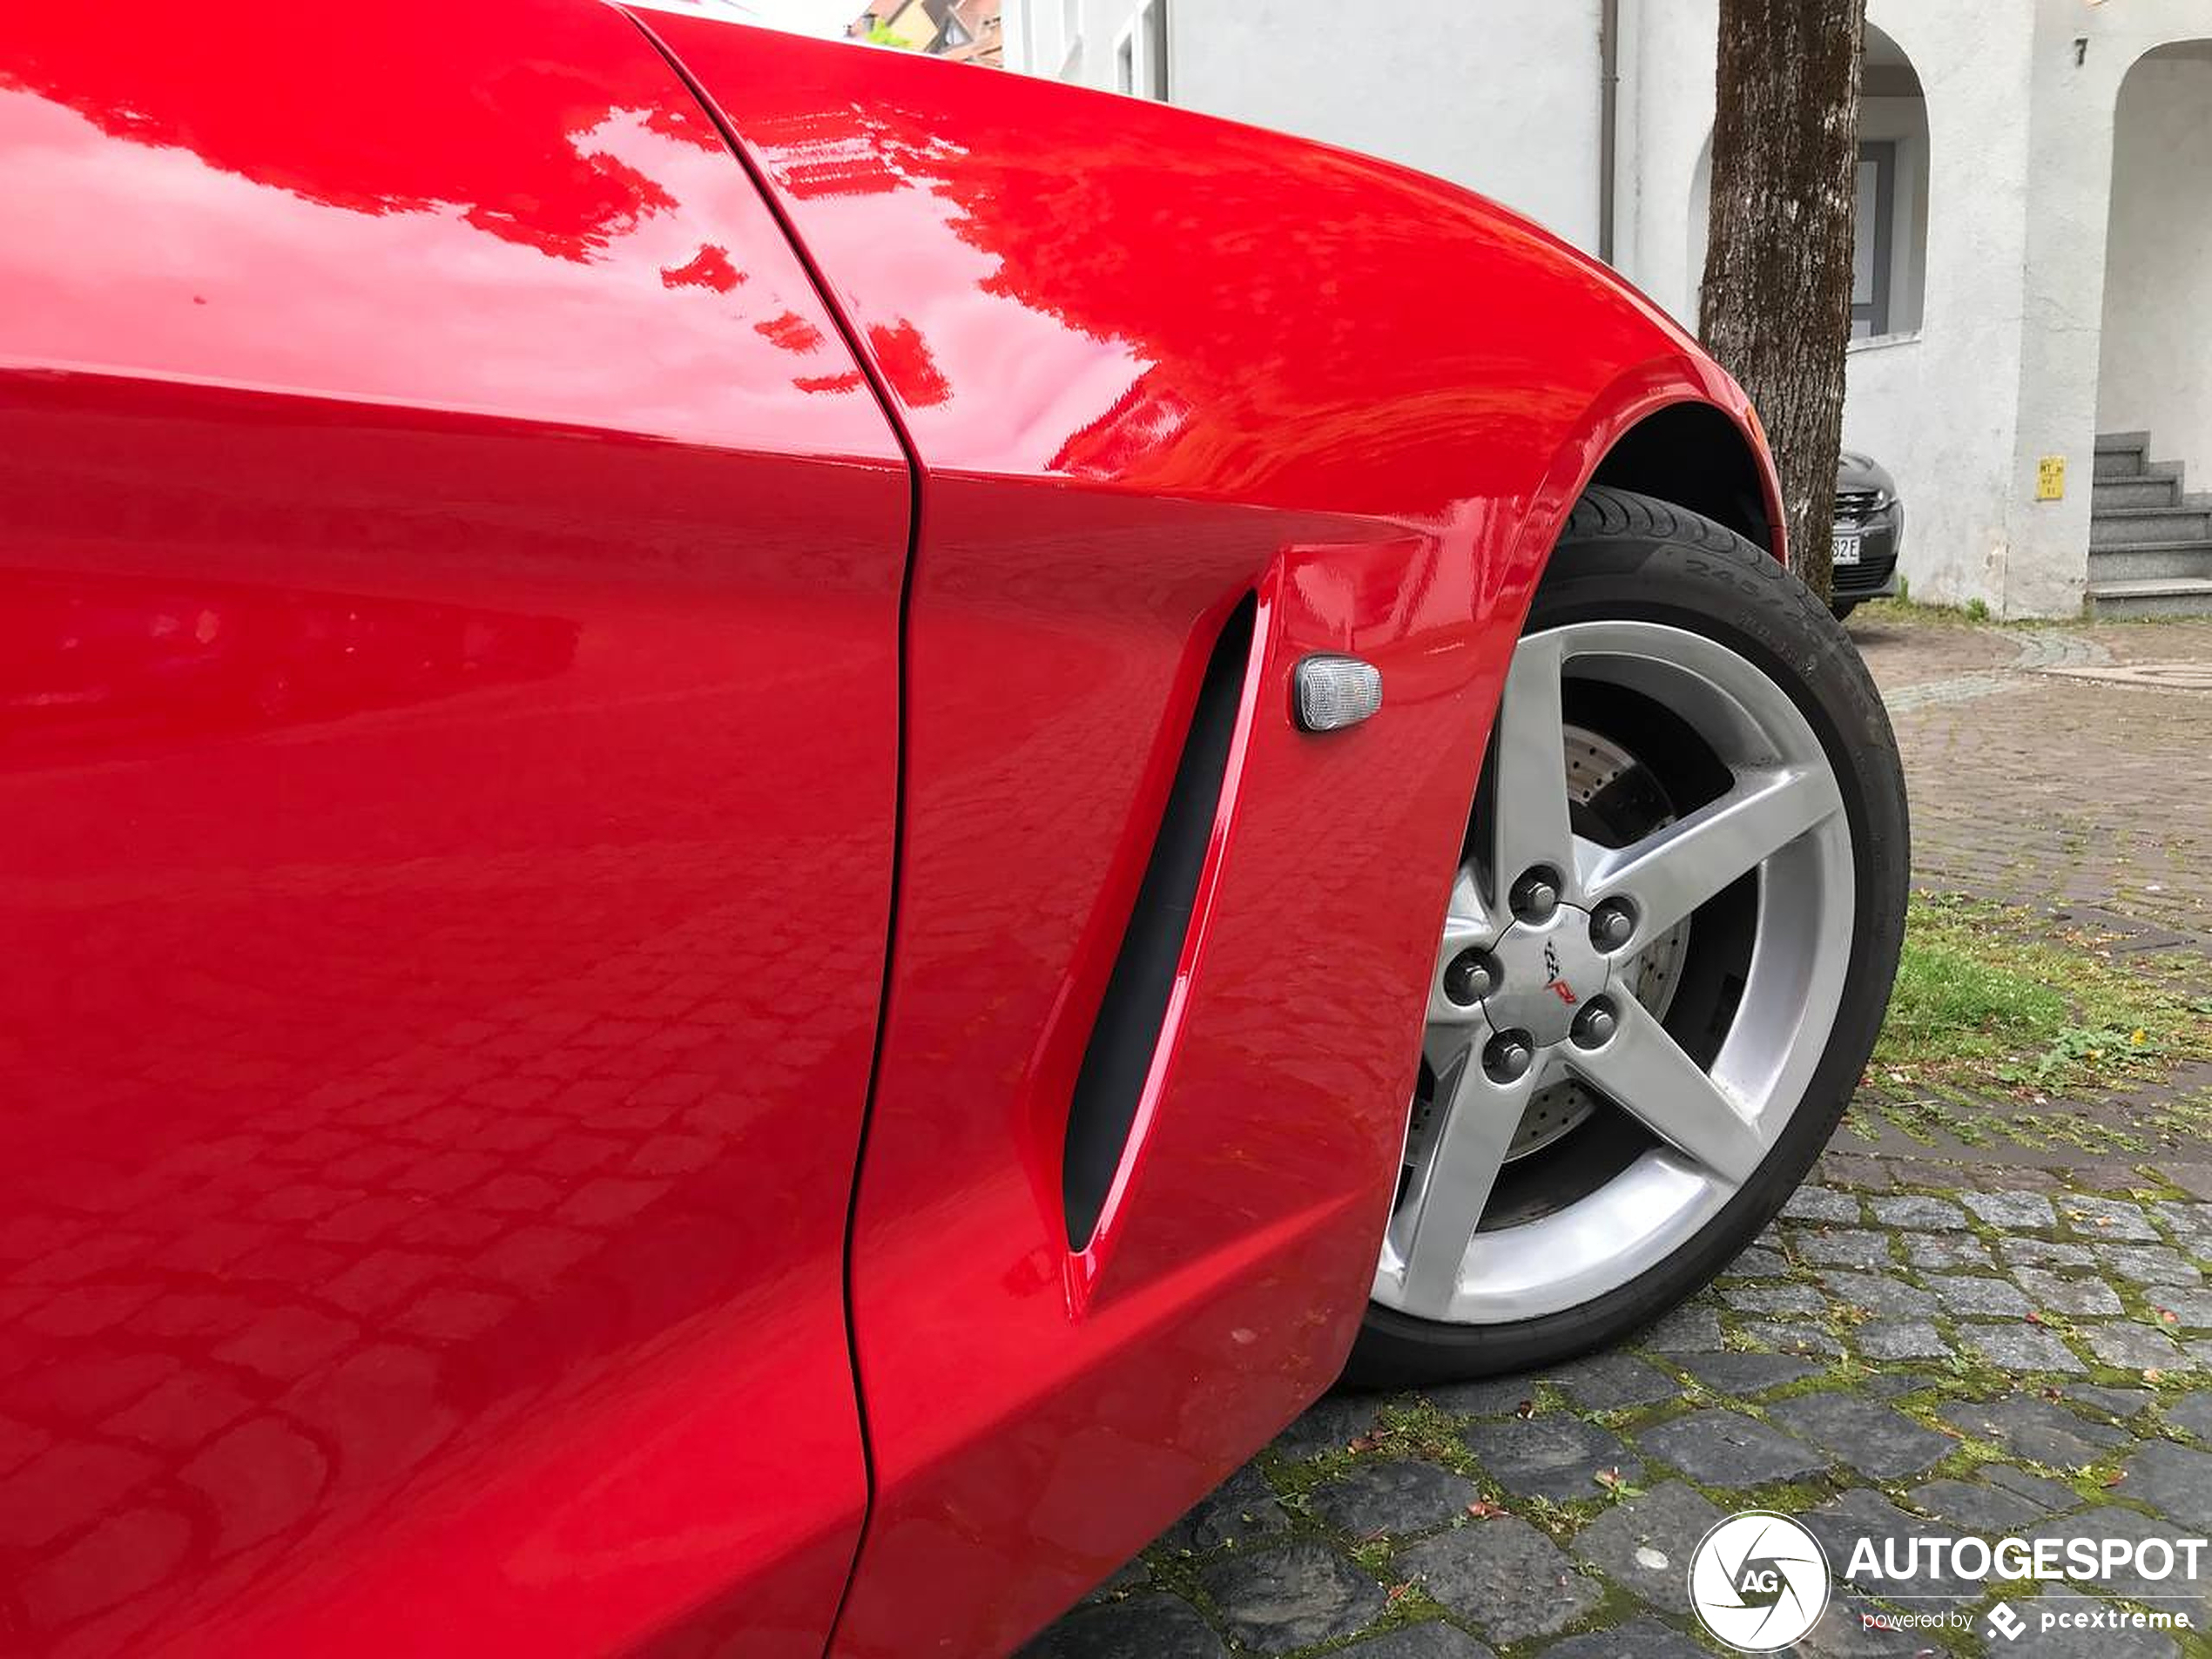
{"x": 1846, "y": 547}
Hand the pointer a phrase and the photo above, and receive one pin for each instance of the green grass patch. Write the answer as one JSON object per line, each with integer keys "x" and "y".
{"x": 1988, "y": 998}
{"x": 1903, "y": 611}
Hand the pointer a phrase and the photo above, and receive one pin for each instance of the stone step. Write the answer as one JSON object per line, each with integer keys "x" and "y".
{"x": 2131, "y": 526}
{"x": 2150, "y": 561}
{"x": 2121, "y": 455}
{"x": 2173, "y": 597}
{"x": 2151, "y": 490}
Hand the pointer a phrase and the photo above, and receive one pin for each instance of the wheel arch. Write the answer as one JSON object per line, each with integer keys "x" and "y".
{"x": 1676, "y": 429}
{"x": 1693, "y": 456}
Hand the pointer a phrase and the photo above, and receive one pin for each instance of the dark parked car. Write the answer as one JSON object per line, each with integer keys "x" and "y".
{"x": 1869, "y": 533}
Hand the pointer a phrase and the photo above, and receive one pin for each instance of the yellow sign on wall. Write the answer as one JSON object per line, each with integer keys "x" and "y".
{"x": 2050, "y": 478}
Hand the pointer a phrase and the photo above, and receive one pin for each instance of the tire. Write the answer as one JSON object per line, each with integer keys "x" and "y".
{"x": 1624, "y": 558}
{"x": 1840, "y": 609}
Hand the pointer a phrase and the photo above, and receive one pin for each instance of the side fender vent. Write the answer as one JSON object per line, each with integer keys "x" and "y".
{"x": 1126, "y": 1032}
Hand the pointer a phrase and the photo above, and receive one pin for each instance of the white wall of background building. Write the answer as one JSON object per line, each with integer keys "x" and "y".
{"x": 1371, "y": 79}
{"x": 2033, "y": 139}
{"x": 2155, "y": 364}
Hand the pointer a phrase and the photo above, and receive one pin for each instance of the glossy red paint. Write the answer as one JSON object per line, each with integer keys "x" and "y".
{"x": 448, "y": 583}
{"x": 450, "y": 737}
{"x": 1150, "y": 363}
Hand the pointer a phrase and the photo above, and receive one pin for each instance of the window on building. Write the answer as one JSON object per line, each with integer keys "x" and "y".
{"x": 1890, "y": 247}
{"x": 1141, "y": 54}
{"x": 1871, "y": 248}
{"x": 1890, "y": 254}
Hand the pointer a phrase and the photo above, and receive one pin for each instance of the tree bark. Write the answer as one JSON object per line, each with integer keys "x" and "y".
{"x": 1774, "y": 309}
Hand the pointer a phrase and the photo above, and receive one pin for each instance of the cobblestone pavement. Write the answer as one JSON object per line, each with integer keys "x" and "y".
{"x": 1994, "y": 1322}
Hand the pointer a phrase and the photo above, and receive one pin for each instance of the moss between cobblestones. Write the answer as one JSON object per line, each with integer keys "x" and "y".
{"x": 1412, "y": 1428}
{"x": 1418, "y": 1427}
{"x": 1409, "y": 1604}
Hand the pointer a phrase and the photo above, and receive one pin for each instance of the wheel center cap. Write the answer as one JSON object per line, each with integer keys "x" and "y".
{"x": 1547, "y": 970}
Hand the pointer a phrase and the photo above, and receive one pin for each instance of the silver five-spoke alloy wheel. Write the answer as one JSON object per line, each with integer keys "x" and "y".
{"x": 1550, "y": 1064}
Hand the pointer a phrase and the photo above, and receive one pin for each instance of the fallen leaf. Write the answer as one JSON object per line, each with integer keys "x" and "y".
{"x": 1483, "y": 1509}
{"x": 2114, "y": 1478}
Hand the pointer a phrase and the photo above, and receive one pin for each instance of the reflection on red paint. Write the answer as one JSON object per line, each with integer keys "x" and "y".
{"x": 711, "y": 268}
{"x": 90, "y": 665}
{"x": 450, "y": 685}
{"x": 223, "y": 214}
{"x": 433, "y": 1039}
{"x": 1150, "y": 365}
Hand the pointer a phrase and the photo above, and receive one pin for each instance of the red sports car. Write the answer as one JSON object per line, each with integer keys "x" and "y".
{"x": 731, "y": 772}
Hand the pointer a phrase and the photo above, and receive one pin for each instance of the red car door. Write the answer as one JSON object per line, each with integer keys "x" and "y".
{"x": 1191, "y": 403}
{"x": 450, "y": 571}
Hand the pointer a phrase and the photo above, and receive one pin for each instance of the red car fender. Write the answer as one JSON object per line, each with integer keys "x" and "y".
{"x": 1151, "y": 363}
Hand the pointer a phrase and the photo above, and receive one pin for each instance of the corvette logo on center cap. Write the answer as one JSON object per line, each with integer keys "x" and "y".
{"x": 1555, "y": 984}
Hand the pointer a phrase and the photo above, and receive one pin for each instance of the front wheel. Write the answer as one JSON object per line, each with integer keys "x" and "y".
{"x": 1670, "y": 944}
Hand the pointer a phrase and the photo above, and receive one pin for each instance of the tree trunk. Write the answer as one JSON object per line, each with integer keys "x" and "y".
{"x": 1775, "y": 305}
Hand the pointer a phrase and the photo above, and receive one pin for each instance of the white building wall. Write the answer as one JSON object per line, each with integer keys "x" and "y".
{"x": 2155, "y": 368}
{"x": 1918, "y": 402}
{"x": 2080, "y": 57}
{"x": 1502, "y": 98}
{"x": 1045, "y": 37}
{"x": 2020, "y": 95}
{"x": 1935, "y": 407}
{"x": 1669, "y": 158}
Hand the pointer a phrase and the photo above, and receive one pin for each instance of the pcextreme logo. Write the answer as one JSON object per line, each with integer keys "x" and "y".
{"x": 1758, "y": 1581}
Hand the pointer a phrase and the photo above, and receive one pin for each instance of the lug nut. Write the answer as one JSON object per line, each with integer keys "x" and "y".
{"x": 1613, "y": 924}
{"x": 1536, "y": 894}
{"x": 1472, "y": 975}
{"x": 1506, "y": 1057}
{"x": 1595, "y": 1024}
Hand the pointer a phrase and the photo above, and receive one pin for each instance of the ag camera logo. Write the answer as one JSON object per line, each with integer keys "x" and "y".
{"x": 1758, "y": 1581}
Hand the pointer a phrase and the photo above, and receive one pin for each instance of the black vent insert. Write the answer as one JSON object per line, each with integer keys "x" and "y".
{"x": 1127, "y": 1031}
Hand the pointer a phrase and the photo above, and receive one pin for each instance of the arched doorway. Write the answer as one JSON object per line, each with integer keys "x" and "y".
{"x": 2155, "y": 359}
{"x": 1890, "y": 260}
{"x": 1891, "y": 254}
